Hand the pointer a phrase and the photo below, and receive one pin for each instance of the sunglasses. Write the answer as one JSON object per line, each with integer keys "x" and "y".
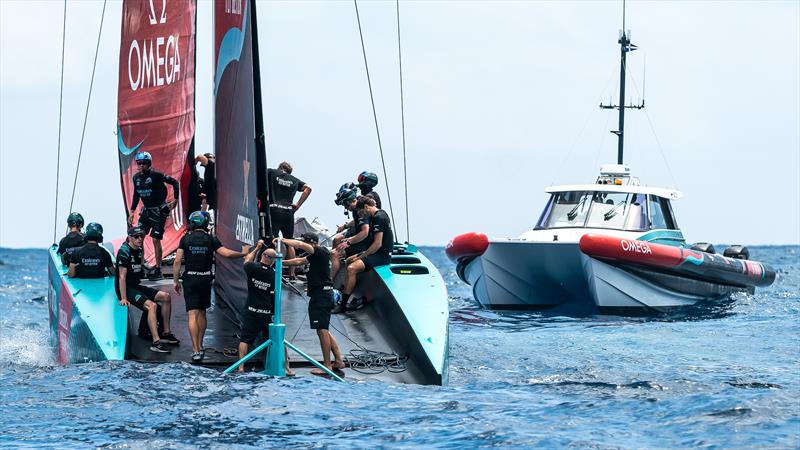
{"x": 138, "y": 236}
{"x": 142, "y": 163}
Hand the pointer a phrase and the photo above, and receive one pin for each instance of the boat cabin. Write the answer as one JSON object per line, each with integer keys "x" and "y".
{"x": 616, "y": 201}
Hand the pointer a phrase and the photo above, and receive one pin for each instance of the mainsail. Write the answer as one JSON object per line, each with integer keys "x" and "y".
{"x": 155, "y": 111}
{"x": 239, "y": 154}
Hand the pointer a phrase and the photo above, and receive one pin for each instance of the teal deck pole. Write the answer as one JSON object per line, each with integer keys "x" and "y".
{"x": 277, "y": 330}
{"x": 248, "y": 356}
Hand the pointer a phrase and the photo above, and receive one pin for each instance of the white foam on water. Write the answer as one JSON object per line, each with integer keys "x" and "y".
{"x": 24, "y": 345}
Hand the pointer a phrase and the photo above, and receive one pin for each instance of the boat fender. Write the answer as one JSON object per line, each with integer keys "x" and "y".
{"x": 737, "y": 252}
{"x": 467, "y": 245}
{"x": 704, "y": 247}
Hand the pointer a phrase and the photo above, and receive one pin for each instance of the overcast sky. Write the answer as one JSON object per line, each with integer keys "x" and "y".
{"x": 501, "y": 101}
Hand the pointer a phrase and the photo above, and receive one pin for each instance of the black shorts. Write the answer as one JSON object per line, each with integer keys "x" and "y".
{"x": 319, "y": 309}
{"x": 152, "y": 221}
{"x": 377, "y": 259}
{"x": 253, "y": 325}
{"x": 138, "y": 294}
{"x": 282, "y": 220}
{"x": 197, "y": 292}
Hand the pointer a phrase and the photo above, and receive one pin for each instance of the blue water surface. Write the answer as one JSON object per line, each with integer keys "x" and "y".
{"x": 726, "y": 376}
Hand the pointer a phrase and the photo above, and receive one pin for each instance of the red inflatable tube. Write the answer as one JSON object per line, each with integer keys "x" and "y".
{"x": 467, "y": 245}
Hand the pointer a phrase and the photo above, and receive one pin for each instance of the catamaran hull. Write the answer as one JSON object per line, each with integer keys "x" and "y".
{"x": 560, "y": 277}
{"x": 86, "y": 323}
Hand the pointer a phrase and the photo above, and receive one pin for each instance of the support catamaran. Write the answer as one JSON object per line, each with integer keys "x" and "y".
{"x": 402, "y": 335}
{"x": 611, "y": 247}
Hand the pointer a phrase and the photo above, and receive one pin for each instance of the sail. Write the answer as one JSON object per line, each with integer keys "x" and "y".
{"x": 155, "y": 110}
{"x": 235, "y": 145}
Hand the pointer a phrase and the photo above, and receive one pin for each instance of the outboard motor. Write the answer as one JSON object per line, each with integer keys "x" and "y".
{"x": 737, "y": 252}
{"x": 704, "y": 247}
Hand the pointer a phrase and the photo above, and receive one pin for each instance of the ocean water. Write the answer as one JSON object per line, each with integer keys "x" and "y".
{"x": 715, "y": 377}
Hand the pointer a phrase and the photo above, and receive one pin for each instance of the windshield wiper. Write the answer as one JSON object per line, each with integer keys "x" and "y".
{"x": 615, "y": 210}
{"x": 574, "y": 213}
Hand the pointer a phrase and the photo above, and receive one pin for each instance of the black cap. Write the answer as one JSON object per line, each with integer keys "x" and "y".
{"x": 310, "y": 237}
{"x": 133, "y": 231}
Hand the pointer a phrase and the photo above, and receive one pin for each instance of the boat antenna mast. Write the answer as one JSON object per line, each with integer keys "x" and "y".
{"x": 625, "y": 46}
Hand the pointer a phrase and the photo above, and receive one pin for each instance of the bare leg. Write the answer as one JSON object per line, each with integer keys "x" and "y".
{"x": 152, "y": 320}
{"x": 352, "y": 270}
{"x": 166, "y": 308}
{"x": 325, "y": 344}
{"x": 335, "y": 263}
{"x": 242, "y": 354}
{"x": 287, "y": 367}
{"x": 290, "y": 254}
{"x": 158, "y": 252}
{"x": 337, "y": 354}
{"x": 193, "y": 329}
{"x": 202, "y": 324}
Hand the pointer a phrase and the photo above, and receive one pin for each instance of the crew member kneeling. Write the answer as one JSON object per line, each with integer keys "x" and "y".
{"x": 131, "y": 292}
{"x": 91, "y": 260}
{"x": 320, "y": 291}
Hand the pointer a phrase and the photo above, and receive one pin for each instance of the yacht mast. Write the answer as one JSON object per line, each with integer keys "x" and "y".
{"x": 625, "y": 46}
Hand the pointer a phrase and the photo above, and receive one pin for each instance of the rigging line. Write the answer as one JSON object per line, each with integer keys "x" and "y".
{"x": 60, "y": 103}
{"x": 88, "y": 101}
{"x": 653, "y": 130}
{"x": 583, "y": 129}
{"x": 402, "y": 118}
{"x": 374, "y": 114}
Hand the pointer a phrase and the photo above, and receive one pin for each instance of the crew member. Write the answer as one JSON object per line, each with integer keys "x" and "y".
{"x": 260, "y": 300}
{"x": 197, "y": 249}
{"x": 91, "y": 260}
{"x": 366, "y": 183}
{"x": 74, "y": 238}
{"x": 209, "y": 180}
{"x": 131, "y": 292}
{"x": 150, "y": 186}
{"x": 282, "y": 188}
{"x": 379, "y": 252}
{"x": 356, "y": 240}
{"x": 320, "y": 292}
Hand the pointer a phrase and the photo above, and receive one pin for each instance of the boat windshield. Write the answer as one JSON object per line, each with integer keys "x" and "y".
{"x": 586, "y": 209}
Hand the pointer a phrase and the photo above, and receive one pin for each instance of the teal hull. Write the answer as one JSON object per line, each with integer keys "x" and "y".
{"x": 86, "y": 321}
{"x": 419, "y": 311}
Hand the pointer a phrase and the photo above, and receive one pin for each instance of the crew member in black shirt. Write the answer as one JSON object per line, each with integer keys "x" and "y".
{"x": 197, "y": 249}
{"x": 260, "y": 300}
{"x": 379, "y": 252}
{"x": 320, "y": 292}
{"x": 91, "y": 260}
{"x": 73, "y": 240}
{"x": 150, "y": 186}
{"x": 355, "y": 239}
{"x": 282, "y": 187}
{"x": 131, "y": 292}
{"x": 366, "y": 183}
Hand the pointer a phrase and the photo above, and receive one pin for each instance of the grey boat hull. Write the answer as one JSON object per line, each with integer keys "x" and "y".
{"x": 557, "y": 276}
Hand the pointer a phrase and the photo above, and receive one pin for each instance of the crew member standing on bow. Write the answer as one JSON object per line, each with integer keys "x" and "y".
{"x": 150, "y": 186}
{"x": 320, "y": 292}
{"x": 197, "y": 249}
{"x": 366, "y": 183}
{"x": 282, "y": 188}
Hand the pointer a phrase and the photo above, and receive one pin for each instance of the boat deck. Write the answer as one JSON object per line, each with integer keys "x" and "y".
{"x": 353, "y": 329}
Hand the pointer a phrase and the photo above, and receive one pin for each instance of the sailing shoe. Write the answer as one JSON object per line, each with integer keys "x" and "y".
{"x": 169, "y": 338}
{"x": 155, "y": 275}
{"x": 338, "y": 308}
{"x": 355, "y": 303}
{"x": 197, "y": 357}
{"x": 159, "y": 347}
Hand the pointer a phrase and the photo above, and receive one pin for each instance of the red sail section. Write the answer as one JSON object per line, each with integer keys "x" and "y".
{"x": 235, "y": 146}
{"x": 155, "y": 111}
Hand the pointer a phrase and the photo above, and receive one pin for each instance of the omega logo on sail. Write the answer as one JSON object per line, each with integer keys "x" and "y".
{"x": 157, "y": 61}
